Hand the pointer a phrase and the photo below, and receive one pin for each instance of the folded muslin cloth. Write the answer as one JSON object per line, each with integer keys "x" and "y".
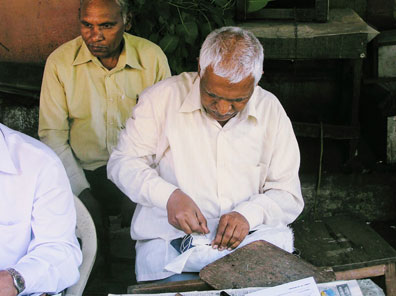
{"x": 197, "y": 252}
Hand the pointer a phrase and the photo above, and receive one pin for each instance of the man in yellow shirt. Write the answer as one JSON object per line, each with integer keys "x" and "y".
{"x": 89, "y": 89}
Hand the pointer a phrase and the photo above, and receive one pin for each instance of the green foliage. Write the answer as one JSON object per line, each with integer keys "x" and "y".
{"x": 180, "y": 26}
{"x": 254, "y": 5}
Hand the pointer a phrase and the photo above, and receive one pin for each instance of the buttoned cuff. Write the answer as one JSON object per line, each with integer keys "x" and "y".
{"x": 260, "y": 209}
{"x": 252, "y": 213}
{"x": 28, "y": 275}
{"x": 161, "y": 193}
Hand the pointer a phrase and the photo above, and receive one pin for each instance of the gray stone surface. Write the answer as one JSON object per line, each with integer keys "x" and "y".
{"x": 19, "y": 117}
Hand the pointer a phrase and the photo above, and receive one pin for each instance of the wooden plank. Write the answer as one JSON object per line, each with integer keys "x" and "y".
{"x": 381, "y": 13}
{"x": 302, "y": 15}
{"x": 390, "y": 279}
{"x": 379, "y": 80}
{"x": 260, "y": 264}
{"x": 391, "y": 140}
{"x": 354, "y": 118}
{"x": 20, "y": 76}
{"x": 337, "y": 132}
{"x": 359, "y": 6}
{"x": 342, "y": 243}
{"x": 319, "y": 12}
{"x": 322, "y": 10}
{"x": 181, "y": 286}
{"x": 344, "y": 36}
{"x": 361, "y": 273}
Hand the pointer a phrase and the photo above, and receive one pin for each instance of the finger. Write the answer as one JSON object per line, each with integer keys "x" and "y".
{"x": 184, "y": 225}
{"x": 202, "y": 222}
{"x": 235, "y": 238}
{"x": 219, "y": 234}
{"x": 194, "y": 224}
{"x": 234, "y": 245}
{"x": 227, "y": 235}
{"x": 239, "y": 236}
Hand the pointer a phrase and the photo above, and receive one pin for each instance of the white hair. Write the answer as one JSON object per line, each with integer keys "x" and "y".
{"x": 233, "y": 53}
{"x": 125, "y": 8}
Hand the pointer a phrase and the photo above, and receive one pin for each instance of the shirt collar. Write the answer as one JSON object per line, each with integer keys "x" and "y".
{"x": 6, "y": 163}
{"x": 128, "y": 56}
{"x": 193, "y": 102}
{"x": 250, "y": 110}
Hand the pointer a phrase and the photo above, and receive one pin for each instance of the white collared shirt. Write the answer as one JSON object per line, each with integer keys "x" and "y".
{"x": 37, "y": 215}
{"x": 250, "y": 165}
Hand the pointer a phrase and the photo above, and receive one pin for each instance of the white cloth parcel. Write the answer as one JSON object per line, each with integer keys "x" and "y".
{"x": 37, "y": 215}
{"x": 202, "y": 254}
{"x": 249, "y": 166}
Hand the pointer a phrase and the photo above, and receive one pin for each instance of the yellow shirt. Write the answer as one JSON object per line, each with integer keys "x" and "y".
{"x": 83, "y": 105}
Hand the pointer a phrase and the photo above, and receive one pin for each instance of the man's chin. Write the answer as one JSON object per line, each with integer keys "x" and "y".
{"x": 222, "y": 118}
{"x": 98, "y": 52}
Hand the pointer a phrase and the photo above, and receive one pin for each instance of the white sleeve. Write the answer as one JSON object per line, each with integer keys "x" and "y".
{"x": 53, "y": 255}
{"x": 132, "y": 163}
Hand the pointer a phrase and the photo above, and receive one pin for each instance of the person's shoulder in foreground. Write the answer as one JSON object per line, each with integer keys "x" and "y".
{"x": 39, "y": 252}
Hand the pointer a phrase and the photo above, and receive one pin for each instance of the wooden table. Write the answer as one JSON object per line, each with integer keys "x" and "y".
{"x": 351, "y": 247}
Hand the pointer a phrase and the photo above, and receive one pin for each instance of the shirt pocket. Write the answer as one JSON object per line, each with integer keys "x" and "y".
{"x": 125, "y": 106}
{"x": 245, "y": 182}
{"x": 263, "y": 174}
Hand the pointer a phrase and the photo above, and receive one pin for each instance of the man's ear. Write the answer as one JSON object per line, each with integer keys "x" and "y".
{"x": 260, "y": 79}
{"x": 128, "y": 22}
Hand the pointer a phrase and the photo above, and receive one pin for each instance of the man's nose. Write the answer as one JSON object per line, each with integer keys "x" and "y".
{"x": 97, "y": 34}
{"x": 223, "y": 107}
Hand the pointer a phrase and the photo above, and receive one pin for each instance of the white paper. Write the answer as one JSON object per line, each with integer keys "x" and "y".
{"x": 340, "y": 288}
{"x": 337, "y": 288}
{"x": 304, "y": 287}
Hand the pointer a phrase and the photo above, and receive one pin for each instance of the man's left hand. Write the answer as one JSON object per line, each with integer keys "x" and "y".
{"x": 231, "y": 231}
{"x": 7, "y": 287}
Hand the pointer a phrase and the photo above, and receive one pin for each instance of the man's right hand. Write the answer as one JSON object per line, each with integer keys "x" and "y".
{"x": 184, "y": 214}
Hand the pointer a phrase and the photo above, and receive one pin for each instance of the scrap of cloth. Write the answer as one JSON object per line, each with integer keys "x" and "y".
{"x": 197, "y": 251}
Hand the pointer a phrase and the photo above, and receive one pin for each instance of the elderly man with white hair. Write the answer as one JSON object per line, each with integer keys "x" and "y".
{"x": 210, "y": 154}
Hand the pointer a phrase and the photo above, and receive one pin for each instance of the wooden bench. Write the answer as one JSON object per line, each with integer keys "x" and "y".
{"x": 350, "y": 246}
